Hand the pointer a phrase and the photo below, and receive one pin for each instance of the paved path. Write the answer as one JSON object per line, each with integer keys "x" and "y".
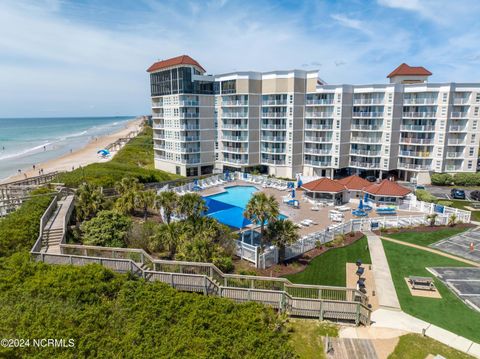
{"x": 428, "y": 249}
{"x": 386, "y": 294}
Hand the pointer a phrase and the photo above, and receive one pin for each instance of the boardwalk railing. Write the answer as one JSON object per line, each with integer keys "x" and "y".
{"x": 36, "y": 180}
{"x": 37, "y": 247}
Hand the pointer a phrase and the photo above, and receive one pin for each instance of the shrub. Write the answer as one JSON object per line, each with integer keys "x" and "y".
{"x": 425, "y": 196}
{"x": 318, "y": 244}
{"x": 466, "y": 179}
{"x": 108, "y": 229}
{"x": 225, "y": 264}
{"x": 247, "y": 272}
{"x": 140, "y": 234}
{"x": 441, "y": 179}
{"x": 445, "y": 203}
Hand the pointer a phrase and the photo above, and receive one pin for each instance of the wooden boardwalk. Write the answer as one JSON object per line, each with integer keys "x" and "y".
{"x": 349, "y": 348}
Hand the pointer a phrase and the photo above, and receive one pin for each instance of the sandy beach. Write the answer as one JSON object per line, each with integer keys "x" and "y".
{"x": 80, "y": 157}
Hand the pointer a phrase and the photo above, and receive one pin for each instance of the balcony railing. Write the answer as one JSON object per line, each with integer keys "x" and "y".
{"x": 274, "y": 114}
{"x": 159, "y": 147}
{"x": 455, "y": 154}
{"x": 318, "y": 151}
{"x": 234, "y": 138}
{"x": 368, "y": 101}
{"x": 235, "y": 126}
{"x": 274, "y": 138}
{"x": 456, "y": 141}
{"x": 365, "y": 164}
{"x": 456, "y": 128}
{"x": 158, "y": 115}
{"x": 453, "y": 168}
{"x": 190, "y": 149}
{"x": 274, "y": 102}
{"x": 188, "y": 103}
{"x": 365, "y": 152}
{"x": 419, "y": 141}
{"x": 158, "y": 137}
{"x": 243, "y": 161}
{"x": 459, "y": 114}
{"x": 158, "y": 126}
{"x": 186, "y": 126}
{"x": 318, "y": 139}
{"x": 318, "y": 163}
{"x": 280, "y": 126}
{"x": 422, "y": 154}
{"x": 234, "y": 103}
{"x": 310, "y": 114}
{"x": 367, "y": 127}
{"x": 367, "y": 114}
{"x": 235, "y": 149}
{"x": 188, "y": 115}
{"x": 156, "y": 104}
{"x": 274, "y": 150}
{"x": 413, "y": 166}
{"x": 420, "y": 128}
{"x": 419, "y": 114}
{"x": 366, "y": 139}
{"x": 318, "y": 127}
{"x": 189, "y": 138}
{"x": 273, "y": 162}
{"x": 420, "y": 101}
{"x": 461, "y": 100}
{"x": 234, "y": 114}
{"x": 320, "y": 102}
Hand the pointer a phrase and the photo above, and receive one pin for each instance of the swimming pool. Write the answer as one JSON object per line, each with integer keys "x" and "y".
{"x": 228, "y": 207}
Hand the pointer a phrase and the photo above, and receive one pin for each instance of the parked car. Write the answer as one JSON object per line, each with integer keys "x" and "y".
{"x": 475, "y": 195}
{"x": 420, "y": 187}
{"x": 456, "y": 193}
{"x": 371, "y": 178}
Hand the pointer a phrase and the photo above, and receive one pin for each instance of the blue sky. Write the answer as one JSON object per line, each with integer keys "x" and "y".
{"x": 88, "y": 58}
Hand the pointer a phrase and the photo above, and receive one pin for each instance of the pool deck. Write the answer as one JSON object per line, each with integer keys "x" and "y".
{"x": 305, "y": 211}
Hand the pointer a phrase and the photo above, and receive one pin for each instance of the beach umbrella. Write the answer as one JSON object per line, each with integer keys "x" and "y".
{"x": 365, "y": 198}
{"x": 360, "y": 205}
{"x": 245, "y": 175}
{"x": 195, "y": 182}
{"x": 293, "y": 193}
{"x": 299, "y": 182}
{"x": 103, "y": 152}
{"x": 227, "y": 175}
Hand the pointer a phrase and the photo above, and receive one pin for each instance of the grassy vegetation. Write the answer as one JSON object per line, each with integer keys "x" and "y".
{"x": 306, "y": 337}
{"x": 449, "y": 312}
{"x": 414, "y": 346}
{"x": 135, "y": 159}
{"x": 425, "y": 238}
{"x": 462, "y": 204}
{"x": 330, "y": 267}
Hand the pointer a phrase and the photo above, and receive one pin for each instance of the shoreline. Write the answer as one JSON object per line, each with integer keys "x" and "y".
{"x": 80, "y": 157}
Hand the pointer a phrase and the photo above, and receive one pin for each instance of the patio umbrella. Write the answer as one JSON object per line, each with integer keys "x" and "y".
{"x": 245, "y": 175}
{"x": 103, "y": 152}
{"x": 365, "y": 198}
{"x": 293, "y": 193}
{"x": 227, "y": 175}
{"x": 196, "y": 187}
{"x": 360, "y": 205}
{"x": 299, "y": 182}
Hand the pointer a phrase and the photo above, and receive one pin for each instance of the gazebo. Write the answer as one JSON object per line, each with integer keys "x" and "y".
{"x": 355, "y": 185}
{"x": 386, "y": 192}
{"x": 326, "y": 190}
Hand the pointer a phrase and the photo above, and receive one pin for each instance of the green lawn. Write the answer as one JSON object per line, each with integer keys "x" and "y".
{"x": 449, "y": 312}
{"x": 414, "y": 346}
{"x": 305, "y": 335}
{"x": 425, "y": 238}
{"x": 461, "y": 205}
{"x": 329, "y": 268}
{"x": 135, "y": 159}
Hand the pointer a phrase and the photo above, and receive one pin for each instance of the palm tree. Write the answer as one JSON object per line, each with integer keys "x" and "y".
{"x": 282, "y": 233}
{"x": 452, "y": 220}
{"x": 432, "y": 218}
{"x": 128, "y": 189}
{"x": 191, "y": 206}
{"x": 145, "y": 200}
{"x": 262, "y": 209}
{"x": 89, "y": 200}
{"x": 168, "y": 235}
{"x": 168, "y": 201}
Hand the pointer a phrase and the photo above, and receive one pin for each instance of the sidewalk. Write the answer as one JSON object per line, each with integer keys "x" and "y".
{"x": 385, "y": 290}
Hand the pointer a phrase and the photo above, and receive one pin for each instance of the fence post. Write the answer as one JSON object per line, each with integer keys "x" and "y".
{"x": 357, "y": 319}
{"x": 205, "y": 292}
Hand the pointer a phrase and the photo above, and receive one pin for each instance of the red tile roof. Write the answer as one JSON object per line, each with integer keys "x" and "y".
{"x": 354, "y": 182}
{"x": 387, "y": 188}
{"x": 405, "y": 70}
{"x": 324, "y": 185}
{"x": 174, "y": 61}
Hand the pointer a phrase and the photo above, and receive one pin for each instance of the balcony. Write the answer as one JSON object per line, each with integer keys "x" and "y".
{"x": 367, "y": 127}
{"x": 159, "y": 147}
{"x": 158, "y": 125}
{"x": 189, "y": 138}
{"x": 188, "y": 103}
{"x": 190, "y": 160}
{"x": 158, "y": 136}
{"x": 420, "y": 128}
{"x": 461, "y": 100}
{"x": 156, "y": 104}
{"x": 188, "y": 115}
{"x": 320, "y": 102}
{"x": 419, "y": 114}
{"x": 194, "y": 149}
{"x": 318, "y": 163}
{"x": 273, "y": 138}
{"x": 463, "y": 114}
{"x": 157, "y": 115}
{"x": 189, "y": 126}
{"x": 453, "y": 168}
{"x": 365, "y": 153}
{"x": 235, "y": 126}
{"x": 455, "y": 155}
{"x": 420, "y": 154}
{"x": 366, "y": 139}
{"x": 310, "y": 114}
{"x": 420, "y": 101}
{"x": 234, "y": 103}
{"x": 456, "y": 141}
{"x": 282, "y": 102}
{"x": 367, "y": 114}
{"x": 274, "y": 150}
{"x": 274, "y": 114}
{"x": 234, "y": 138}
{"x": 235, "y": 149}
{"x": 272, "y": 161}
{"x": 238, "y": 161}
{"x": 280, "y": 126}
{"x": 417, "y": 141}
{"x": 368, "y": 101}
{"x": 412, "y": 166}
{"x": 456, "y": 128}
{"x": 318, "y": 139}
{"x": 318, "y": 151}
{"x": 234, "y": 114}
{"x": 364, "y": 164}
{"x": 311, "y": 126}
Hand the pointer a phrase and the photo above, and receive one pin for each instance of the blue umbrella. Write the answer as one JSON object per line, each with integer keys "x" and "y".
{"x": 245, "y": 175}
{"x": 293, "y": 193}
{"x": 104, "y": 152}
{"x": 227, "y": 175}
{"x": 365, "y": 198}
{"x": 195, "y": 182}
{"x": 299, "y": 182}
{"x": 360, "y": 205}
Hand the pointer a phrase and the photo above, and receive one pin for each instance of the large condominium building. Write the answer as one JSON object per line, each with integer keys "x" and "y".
{"x": 289, "y": 122}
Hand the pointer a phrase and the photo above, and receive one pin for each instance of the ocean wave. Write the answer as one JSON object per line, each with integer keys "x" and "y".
{"x": 77, "y": 134}
{"x": 25, "y": 152}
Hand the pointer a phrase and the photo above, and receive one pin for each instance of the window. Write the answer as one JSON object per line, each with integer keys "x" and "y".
{"x": 471, "y": 151}
{"x": 477, "y": 98}
{"x": 177, "y": 170}
{"x": 469, "y": 165}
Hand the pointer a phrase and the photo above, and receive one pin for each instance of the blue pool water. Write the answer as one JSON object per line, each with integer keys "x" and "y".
{"x": 228, "y": 207}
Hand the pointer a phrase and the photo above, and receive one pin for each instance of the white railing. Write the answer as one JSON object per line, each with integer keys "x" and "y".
{"x": 368, "y": 101}
{"x": 420, "y": 101}
{"x": 367, "y": 114}
{"x": 419, "y": 114}
{"x": 318, "y": 114}
{"x": 320, "y": 102}
{"x": 417, "y": 128}
{"x": 274, "y": 114}
{"x": 367, "y": 127}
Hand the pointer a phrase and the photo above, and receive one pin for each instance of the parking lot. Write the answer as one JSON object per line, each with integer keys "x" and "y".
{"x": 444, "y": 192}
{"x": 459, "y": 245}
{"x": 464, "y": 282}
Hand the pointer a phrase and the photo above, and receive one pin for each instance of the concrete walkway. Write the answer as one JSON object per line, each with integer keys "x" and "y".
{"x": 386, "y": 294}
{"x": 428, "y": 249}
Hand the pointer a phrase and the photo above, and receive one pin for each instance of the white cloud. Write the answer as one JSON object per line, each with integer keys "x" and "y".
{"x": 351, "y": 23}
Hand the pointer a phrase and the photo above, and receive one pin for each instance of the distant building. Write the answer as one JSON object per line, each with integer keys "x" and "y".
{"x": 288, "y": 122}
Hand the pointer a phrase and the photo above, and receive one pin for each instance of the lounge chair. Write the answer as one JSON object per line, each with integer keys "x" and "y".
{"x": 315, "y": 207}
{"x": 305, "y": 223}
{"x": 311, "y": 221}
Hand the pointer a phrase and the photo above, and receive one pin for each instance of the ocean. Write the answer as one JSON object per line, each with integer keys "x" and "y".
{"x": 28, "y": 141}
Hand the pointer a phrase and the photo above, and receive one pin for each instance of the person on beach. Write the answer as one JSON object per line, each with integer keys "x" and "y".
{"x": 44, "y": 148}
{"x": 33, "y": 167}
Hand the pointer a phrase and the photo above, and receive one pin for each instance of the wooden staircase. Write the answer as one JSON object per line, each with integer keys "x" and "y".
{"x": 53, "y": 233}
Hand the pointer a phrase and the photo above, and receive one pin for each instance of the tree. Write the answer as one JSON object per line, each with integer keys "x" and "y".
{"x": 145, "y": 200}
{"x": 452, "y": 220}
{"x": 262, "y": 209}
{"x": 108, "y": 229}
{"x": 89, "y": 199}
{"x": 168, "y": 235}
{"x": 168, "y": 201}
{"x": 128, "y": 189}
{"x": 282, "y": 233}
{"x": 191, "y": 206}
{"x": 432, "y": 218}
